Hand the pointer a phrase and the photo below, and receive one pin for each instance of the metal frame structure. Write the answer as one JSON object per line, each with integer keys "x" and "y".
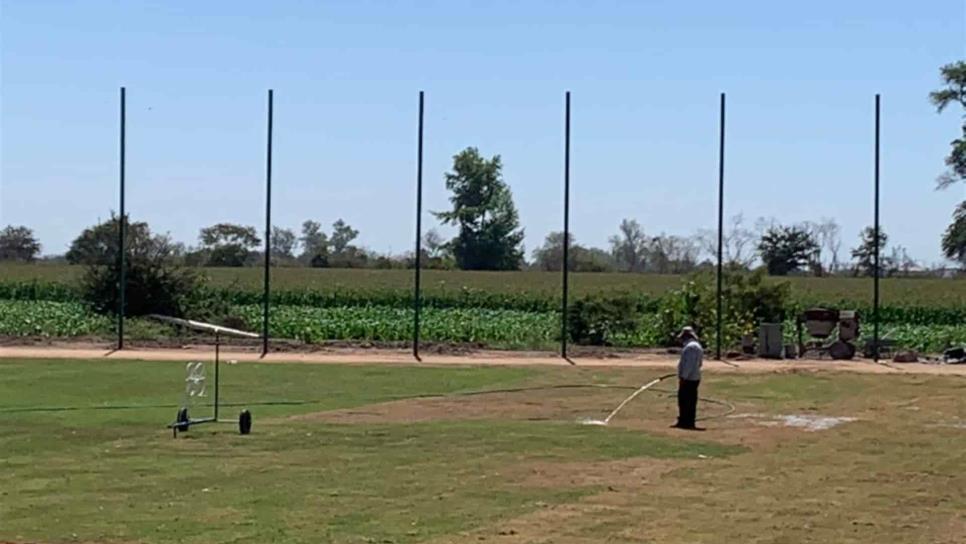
{"x": 217, "y": 330}
{"x": 417, "y": 291}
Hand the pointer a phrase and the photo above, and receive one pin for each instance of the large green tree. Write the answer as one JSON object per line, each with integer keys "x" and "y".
{"x": 18, "y": 244}
{"x": 97, "y": 244}
{"x": 864, "y": 254}
{"x": 156, "y": 283}
{"x": 629, "y": 248}
{"x": 549, "y": 256}
{"x": 315, "y": 245}
{"x": 489, "y": 236}
{"x": 953, "y": 92}
{"x": 342, "y": 236}
{"x": 283, "y": 244}
{"x": 954, "y": 240}
{"x": 228, "y": 244}
{"x": 786, "y": 249}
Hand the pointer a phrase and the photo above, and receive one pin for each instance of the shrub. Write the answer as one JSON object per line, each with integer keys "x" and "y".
{"x": 597, "y": 320}
{"x": 155, "y": 282}
{"x": 747, "y": 301}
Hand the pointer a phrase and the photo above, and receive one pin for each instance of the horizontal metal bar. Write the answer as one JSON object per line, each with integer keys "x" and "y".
{"x": 190, "y": 422}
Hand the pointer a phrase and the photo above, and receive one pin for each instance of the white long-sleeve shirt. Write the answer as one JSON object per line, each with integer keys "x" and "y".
{"x": 689, "y": 367}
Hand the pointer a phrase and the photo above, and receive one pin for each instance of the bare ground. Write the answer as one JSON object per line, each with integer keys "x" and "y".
{"x": 652, "y": 359}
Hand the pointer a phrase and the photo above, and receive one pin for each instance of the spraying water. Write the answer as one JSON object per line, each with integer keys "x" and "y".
{"x": 641, "y": 389}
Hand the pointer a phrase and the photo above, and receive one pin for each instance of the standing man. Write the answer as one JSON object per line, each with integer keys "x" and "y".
{"x": 689, "y": 377}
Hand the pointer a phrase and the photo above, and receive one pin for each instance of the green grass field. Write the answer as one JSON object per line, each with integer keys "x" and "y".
{"x": 370, "y": 456}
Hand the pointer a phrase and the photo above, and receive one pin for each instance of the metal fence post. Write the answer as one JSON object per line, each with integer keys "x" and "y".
{"x": 721, "y": 162}
{"x": 268, "y": 228}
{"x": 566, "y": 234}
{"x": 419, "y": 230}
{"x": 122, "y": 227}
{"x": 876, "y": 271}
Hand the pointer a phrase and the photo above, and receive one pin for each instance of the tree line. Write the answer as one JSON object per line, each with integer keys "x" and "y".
{"x": 812, "y": 248}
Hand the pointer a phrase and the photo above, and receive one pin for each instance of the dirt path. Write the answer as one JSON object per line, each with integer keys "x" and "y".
{"x": 482, "y": 357}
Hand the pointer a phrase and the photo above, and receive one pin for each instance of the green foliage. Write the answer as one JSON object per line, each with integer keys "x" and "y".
{"x": 337, "y": 251}
{"x": 747, "y": 301}
{"x": 489, "y": 229}
{"x": 388, "y": 324}
{"x": 227, "y": 244}
{"x": 786, "y": 249}
{"x": 315, "y": 245}
{"x": 598, "y": 321}
{"x": 954, "y": 92}
{"x": 924, "y": 339}
{"x": 97, "y": 245}
{"x": 549, "y": 257}
{"x": 49, "y": 319}
{"x": 630, "y": 247}
{"x": 660, "y": 304}
{"x": 18, "y": 244}
{"x": 954, "y": 240}
{"x": 52, "y": 291}
{"x": 864, "y": 255}
{"x": 283, "y": 245}
{"x": 155, "y": 283}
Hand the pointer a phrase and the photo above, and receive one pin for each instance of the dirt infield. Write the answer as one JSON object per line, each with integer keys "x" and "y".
{"x": 480, "y": 357}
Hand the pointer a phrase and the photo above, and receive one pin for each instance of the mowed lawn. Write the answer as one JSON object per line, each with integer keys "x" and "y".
{"x": 387, "y": 453}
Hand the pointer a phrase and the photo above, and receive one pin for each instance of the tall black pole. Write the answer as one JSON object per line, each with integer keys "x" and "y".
{"x": 268, "y": 227}
{"x": 876, "y": 272}
{"x": 122, "y": 226}
{"x": 217, "y": 362}
{"x": 721, "y": 163}
{"x": 564, "y": 266}
{"x": 419, "y": 229}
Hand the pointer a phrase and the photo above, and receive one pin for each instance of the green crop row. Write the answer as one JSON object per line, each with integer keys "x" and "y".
{"x": 506, "y": 328}
{"x": 919, "y": 292}
{"x": 309, "y": 324}
{"x": 468, "y": 298}
{"x": 50, "y": 319}
{"x": 386, "y": 324}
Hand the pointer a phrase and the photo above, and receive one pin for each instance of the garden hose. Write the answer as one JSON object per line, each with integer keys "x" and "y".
{"x": 35, "y": 409}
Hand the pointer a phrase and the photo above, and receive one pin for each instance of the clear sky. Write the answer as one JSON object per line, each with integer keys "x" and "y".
{"x": 645, "y": 77}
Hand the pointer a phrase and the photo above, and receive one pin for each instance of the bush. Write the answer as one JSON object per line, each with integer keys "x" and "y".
{"x": 155, "y": 282}
{"x": 747, "y": 301}
{"x": 597, "y": 320}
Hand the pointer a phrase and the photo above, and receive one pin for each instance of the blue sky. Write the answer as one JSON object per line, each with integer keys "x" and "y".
{"x": 645, "y": 78}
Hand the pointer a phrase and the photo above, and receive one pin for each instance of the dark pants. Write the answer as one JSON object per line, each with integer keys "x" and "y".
{"x": 687, "y": 402}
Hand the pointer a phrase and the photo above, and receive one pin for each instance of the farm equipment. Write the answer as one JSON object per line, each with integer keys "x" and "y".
{"x": 820, "y": 324}
{"x": 195, "y": 377}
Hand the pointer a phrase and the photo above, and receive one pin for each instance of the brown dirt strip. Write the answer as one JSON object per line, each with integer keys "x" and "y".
{"x": 481, "y": 357}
